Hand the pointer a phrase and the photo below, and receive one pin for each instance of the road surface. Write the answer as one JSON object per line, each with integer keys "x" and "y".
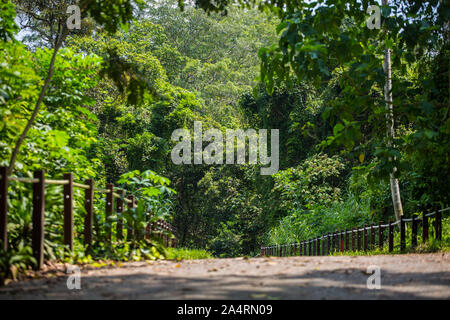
{"x": 412, "y": 276}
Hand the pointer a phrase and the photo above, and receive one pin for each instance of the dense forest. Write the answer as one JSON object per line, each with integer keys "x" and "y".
{"x": 122, "y": 83}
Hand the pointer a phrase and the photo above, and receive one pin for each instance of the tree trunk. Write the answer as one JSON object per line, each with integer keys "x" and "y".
{"x": 395, "y": 188}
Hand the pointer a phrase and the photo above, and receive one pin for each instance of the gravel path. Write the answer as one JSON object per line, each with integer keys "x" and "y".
{"x": 413, "y": 276}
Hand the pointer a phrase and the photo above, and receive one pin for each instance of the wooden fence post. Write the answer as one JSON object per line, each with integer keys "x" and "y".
{"x": 38, "y": 218}
{"x": 68, "y": 211}
{"x": 119, "y": 210}
{"x": 4, "y": 207}
{"x": 424, "y": 227}
{"x": 109, "y": 209}
{"x": 438, "y": 225}
{"x": 402, "y": 235}
{"x": 414, "y": 231}
{"x": 380, "y": 236}
{"x": 328, "y": 243}
{"x": 318, "y": 247}
{"x": 365, "y": 237}
{"x": 295, "y": 249}
{"x": 341, "y": 241}
{"x": 309, "y": 248}
{"x": 89, "y": 207}
{"x": 391, "y": 236}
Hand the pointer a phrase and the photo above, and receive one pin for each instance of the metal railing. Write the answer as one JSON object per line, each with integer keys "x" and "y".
{"x": 361, "y": 238}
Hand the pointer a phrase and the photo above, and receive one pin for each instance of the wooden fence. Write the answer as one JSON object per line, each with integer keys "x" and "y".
{"x": 39, "y": 182}
{"x": 361, "y": 239}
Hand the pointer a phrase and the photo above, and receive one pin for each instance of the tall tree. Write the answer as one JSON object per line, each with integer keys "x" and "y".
{"x": 117, "y": 11}
{"x": 390, "y": 127}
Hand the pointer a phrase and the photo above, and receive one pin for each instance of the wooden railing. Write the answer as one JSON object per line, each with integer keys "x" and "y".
{"x": 362, "y": 238}
{"x": 39, "y": 182}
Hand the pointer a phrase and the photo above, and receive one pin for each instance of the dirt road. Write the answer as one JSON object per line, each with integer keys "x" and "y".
{"x": 412, "y": 276}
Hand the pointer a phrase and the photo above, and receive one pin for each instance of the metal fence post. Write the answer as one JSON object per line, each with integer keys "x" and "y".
{"x": 68, "y": 210}
{"x": 365, "y": 237}
{"x": 4, "y": 207}
{"x": 119, "y": 210}
{"x": 402, "y": 235}
{"x": 129, "y": 223}
{"x": 38, "y": 218}
{"x": 372, "y": 236}
{"x": 109, "y": 209}
{"x": 353, "y": 239}
{"x": 358, "y": 234}
{"x": 414, "y": 231}
{"x": 438, "y": 225}
{"x": 380, "y": 236}
{"x": 424, "y": 227}
{"x": 89, "y": 207}
{"x": 346, "y": 240}
{"x": 391, "y": 236}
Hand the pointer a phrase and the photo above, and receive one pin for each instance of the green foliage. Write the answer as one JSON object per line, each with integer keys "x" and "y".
{"x": 187, "y": 254}
{"x": 14, "y": 261}
{"x": 121, "y": 86}
{"x": 7, "y": 25}
{"x": 313, "y": 183}
{"x": 320, "y": 220}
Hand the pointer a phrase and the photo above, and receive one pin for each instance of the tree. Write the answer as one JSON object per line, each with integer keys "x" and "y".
{"x": 325, "y": 40}
{"x": 395, "y": 189}
{"x": 118, "y": 12}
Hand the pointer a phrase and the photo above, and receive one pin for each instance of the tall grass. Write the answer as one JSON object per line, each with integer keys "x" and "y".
{"x": 302, "y": 225}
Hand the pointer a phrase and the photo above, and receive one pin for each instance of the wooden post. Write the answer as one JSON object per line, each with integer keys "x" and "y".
{"x": 372, "y": 236}
{"x": 318, "y": 247}
{"x": 119, "y": 210}
{"x": 89, "y": 207}
{"x": 391, "y": 236}
{"x": 414, "y": 231}
{"x": 68, "y": 211}
{"x": 365, "y": 237}
{"x": 402, "y": 235}
{"x": 341, "y": 240}
{"x": 438, "y": 225}
{"x": 380, "y": 236}
{"x": 109, "y": 209}
{"x": 4, "y": 207}
{"x": 424, "y": 227}
{"x": 309, "y": 248}
{"x": 295, "y": 249}
{"x": 38, "y": 218}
